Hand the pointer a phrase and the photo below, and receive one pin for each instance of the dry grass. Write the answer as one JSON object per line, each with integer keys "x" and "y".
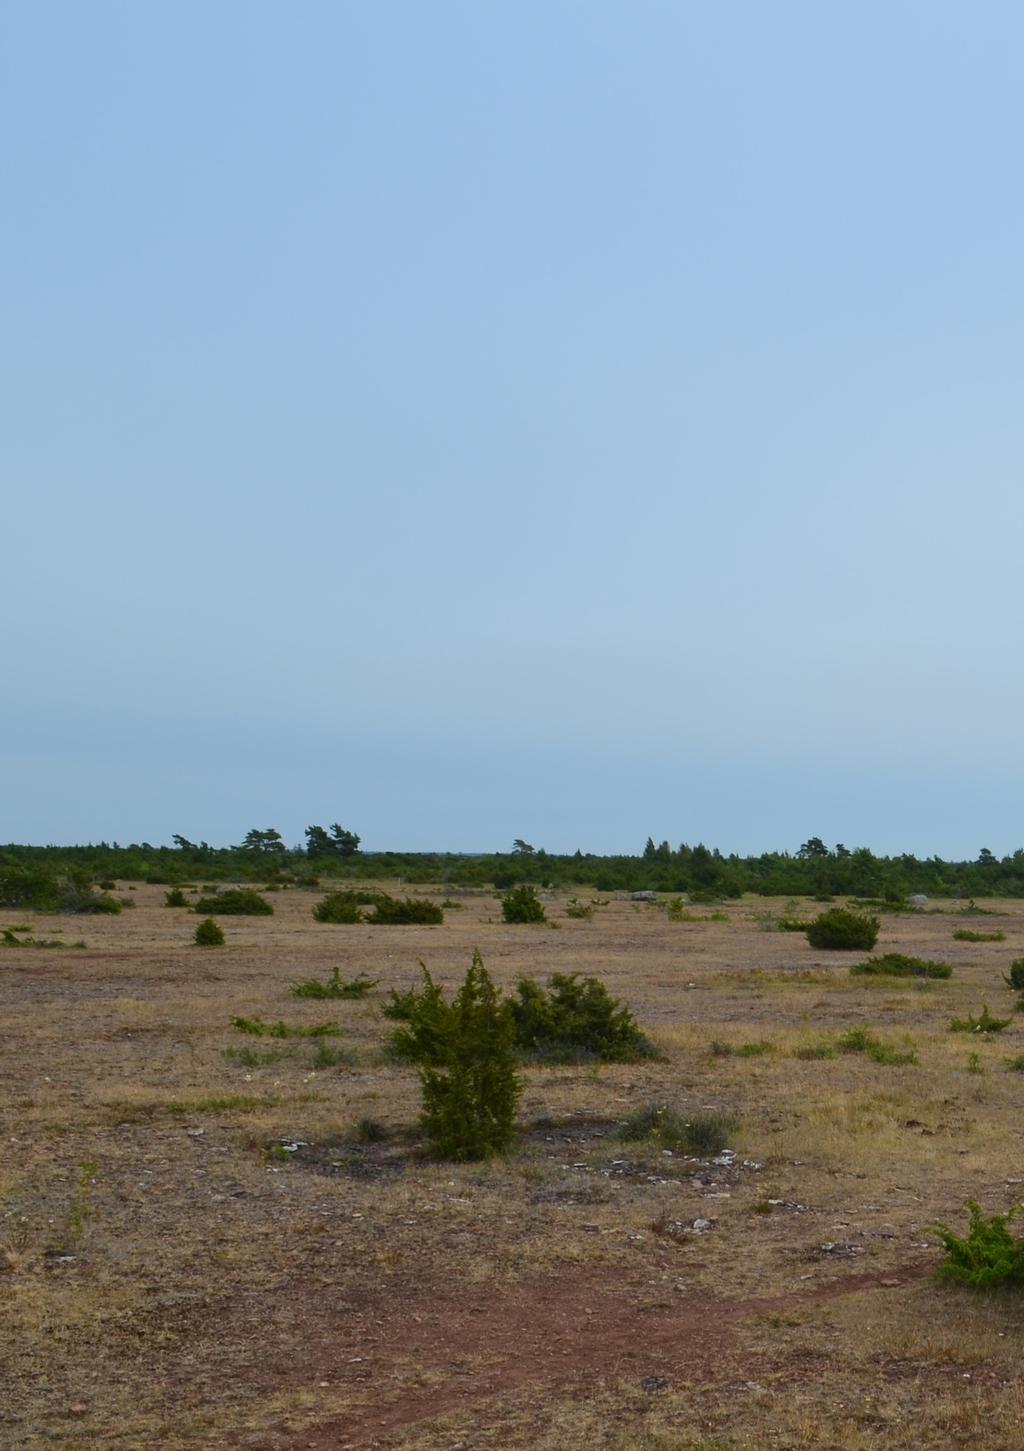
{"x": 166, "y": 1282}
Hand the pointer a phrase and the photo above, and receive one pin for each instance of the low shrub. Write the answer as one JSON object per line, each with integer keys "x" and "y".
{"x": 355, "y": 987}
{"x": 580, "y": 910}
{"x": 257, "y": 1028}
{"x": 575, "y": 1016}
{"x": 371, "y": 1131}
{"x": 328, "y": 1057}
{"x": 1016, "y": 1065}
{"x": 340, "y": 907}
{"x": 896, "y": 964}
{"x": 208, "y": 934}
{"x": 809, "y": 1051}
{"x": 701, "y": 1135}
{"x": 522, "y": 905}
{"x": 175, "y": 898}
{"x": 989, "y": 1257}
{"x": 1015, "y": 978}
{"x": 792, "y": 924}
{"x": 983, "y": 1023}
{"x": 842, "y": 930}
{"x": 964, "y": 934}
{"x": 236, "y": 902}
{"x": 406, "y": 912}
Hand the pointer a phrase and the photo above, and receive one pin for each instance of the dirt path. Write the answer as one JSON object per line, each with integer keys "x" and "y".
{"x": 562, "y": 1332}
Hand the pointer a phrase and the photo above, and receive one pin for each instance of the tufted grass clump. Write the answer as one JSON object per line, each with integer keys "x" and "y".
{"x": 964, "y": 934}
{"x": 700, "y": 1135}
{"x": 862, "y": 1040}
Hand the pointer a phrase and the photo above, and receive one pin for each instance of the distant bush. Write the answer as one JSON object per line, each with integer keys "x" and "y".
{"x": 702, "y": 1135}
{"x": 1016, "y": 975}
{"x": 175, "y": 898}
{"x": 581, "y": 910}
{"x": 465, "y": 1054}
{"x": 237, "y": 902}
{"x": 355, "y": 987}
{"x": 983, "y": 1023}
{"x": 895, "y": 964}
{"x": 964, "y": 934}
{"x": 257, "y": 1028}
{"x": 406, "y": 912}
{"x": 339, "y": 907}
{"x": 208, "y": 934}
{"x": 522, "y": 905}
{"x": 840, "y": 929}
{"x": 989, "y": 1258}
{"x": 575, "y": 1016}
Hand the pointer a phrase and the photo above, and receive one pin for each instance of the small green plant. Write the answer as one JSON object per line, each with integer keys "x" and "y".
{"x": 896, "y": 964}
{"x": 257, "y": 1028}
{"x": 989, "y": 1257}
{"x": 355, "y": 987}
{"x": 522, "y": 905}
{"x": 208, "y": 934}
{"x": 580, "y": 910}
{"x": 575, "y": 1018}
{"x": 701, "y": 1135}
{"x": 839, "y": 929}
{"x": 1016, "y": 1065}
{"x": 465, "y": 1053}
{"x": 792, "y": 924}
{"x": 253, "y": 1057}
{"x": 974, "y": 1063}
{"x": 754, "y": 1050}
{"x": 964, "y": 934}
{"x": 79, "y": 1205}
{"x": 1015, "y": 979}
{"x": 810, "y": 1051}
{"x": 277, "y": 1154}
{"x": 677, "y": 911}
{"x": 862, "y": 1040}
{"x": 175, "y": 898}
{"x": 983, "y": 1023}
{"x": 238, "y": 902}
{"x": 327, "y": 1057}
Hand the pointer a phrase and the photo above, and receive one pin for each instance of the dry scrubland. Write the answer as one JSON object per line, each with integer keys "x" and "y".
{"x": 167, "y": 1283}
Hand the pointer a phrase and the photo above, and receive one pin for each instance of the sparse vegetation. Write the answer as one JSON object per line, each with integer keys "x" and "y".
{"x": 406, "y": 912}
{"x": 175, "y": 898}
{"x": 862, "y": 1040}
{"x": 964, "y": 934}
{"x": 1015, "y": 977}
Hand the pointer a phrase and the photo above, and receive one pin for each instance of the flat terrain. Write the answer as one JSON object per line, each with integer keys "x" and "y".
{"x": 166, "y": 1281}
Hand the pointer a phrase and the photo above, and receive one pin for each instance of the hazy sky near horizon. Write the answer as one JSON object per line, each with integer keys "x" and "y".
{"x": 464, "y": 421}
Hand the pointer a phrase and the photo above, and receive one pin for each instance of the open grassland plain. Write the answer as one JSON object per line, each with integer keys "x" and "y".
{"x": 214, "y": 1238}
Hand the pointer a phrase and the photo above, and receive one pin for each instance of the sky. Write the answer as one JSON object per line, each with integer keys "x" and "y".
{"x": 555, "y": 419}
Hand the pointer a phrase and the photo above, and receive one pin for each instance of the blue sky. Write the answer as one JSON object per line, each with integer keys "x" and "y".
{"x": 464, "y": 421}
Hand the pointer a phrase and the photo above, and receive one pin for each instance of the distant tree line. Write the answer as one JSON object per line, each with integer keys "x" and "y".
{"x": 814, "y": 869}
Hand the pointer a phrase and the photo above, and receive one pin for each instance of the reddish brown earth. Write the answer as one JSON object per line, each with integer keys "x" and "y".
{"x": 557, "y": 1334}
